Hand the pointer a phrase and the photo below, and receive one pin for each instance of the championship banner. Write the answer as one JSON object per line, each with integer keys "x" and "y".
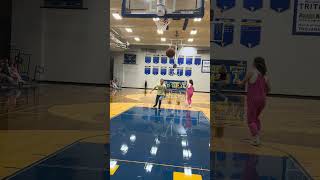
{"x": 171, "y": 71}
{"x": 181, "y": 60}
{"x": 188, "y": 71}
{"x": 180, "y": 71}
{"x": 163, "y": 71}
{"x": 252, "y": 5}
{"x": 306, "y": 20}
{"x": 171, "y": 60}
{"x": 223, "y": 31}
{"x": 175, "y": 84}
{"x": 156, "y": 59}
{"x": 226, "y": 4}
{"x": 250, "y": 32}
{"x": 197, "y": 60}
{"x": 236, "y": 70}
{"x": 147, "y": 59}
{"x": 164, "y": 59}
{"x": 155, "y": 70}
{"x": 280, "y": 5}
{"x": 189, "y": 60}
{"x": 147, "y": 70}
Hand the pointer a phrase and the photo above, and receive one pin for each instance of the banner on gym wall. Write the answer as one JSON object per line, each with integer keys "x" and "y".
{"x": 155, "y": 70}
{"x": 223, "y": 30}
{"x": 156, "y": 59}
{"x": 197, "y": 60}
{"x": 306, "y": 19}
{"x": 147, "y": 59}
{"x": 163, "y": 71}
{"x": 250, "y": 32}
{"x": 252, "y": 5}
{"x": 175, "y": 84}
{"x": 205, "y": 66}
{"x": 147, "y": 70}
{"x": 188, "y": 71}
{"x": 171, "y": 71}
{"x": 235, "y": 70}
{"x": 226, "y": 4}
{"x": 280, "y": 5}
{"x": 180, "y": 71}
{"x": 164, "y": 59}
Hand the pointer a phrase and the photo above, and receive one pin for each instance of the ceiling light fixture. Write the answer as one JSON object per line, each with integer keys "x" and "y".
{"x": 137, "y": 39}
{"x": 116, "y": 16}
{"x": 129, "y": 30}
{"x": 193, "y": 32}
{"x": 190, "y": 40}
{"x": 159, "y": 31}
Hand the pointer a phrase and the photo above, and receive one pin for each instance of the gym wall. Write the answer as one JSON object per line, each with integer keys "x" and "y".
{"x": 72, "y": 45}
{"x": 133, "y": 76}
{"x": 293, "y": 60}
{"x": 5, "y": 30}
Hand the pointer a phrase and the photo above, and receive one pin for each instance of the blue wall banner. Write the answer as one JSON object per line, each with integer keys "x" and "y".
{"x": 236, "y": 70}
{"x": 205, "y": 66}
{"x": 226, "y": 4}
{"x": 171, "y": 71}
{"x": 164, "y": 59}
{"x": 280, "y": 5}
{"x": 147, "y": 70}
{"x": 223, "y": 31}
{"x": 155, "y": 70}
{"x": 197, "y": 60}
{"x": 163, "y": 71}
{"x": 156, "y": 59}
{"x": 189, "y": 60}
{"x": 306, "y": 19}
{"x": 181, "y": 60}
{"x": 252, "y": 5}
{"x": 250, "y": 32}
{"x": 188, "y": 71}
{"x": 171, "y": 61}
{"x": 147, "y": 59}
{"x": 180, "y": 71}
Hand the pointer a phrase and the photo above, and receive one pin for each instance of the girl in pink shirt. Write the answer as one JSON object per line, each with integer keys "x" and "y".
{"x": 189, "y": 92}
{"x": 258, "y": 87}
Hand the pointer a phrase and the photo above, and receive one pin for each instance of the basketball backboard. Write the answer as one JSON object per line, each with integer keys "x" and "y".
{"x": 175, "y": 9}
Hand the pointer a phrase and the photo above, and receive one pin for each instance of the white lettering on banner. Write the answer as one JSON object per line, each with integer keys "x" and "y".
{"x": 306, "y": 17}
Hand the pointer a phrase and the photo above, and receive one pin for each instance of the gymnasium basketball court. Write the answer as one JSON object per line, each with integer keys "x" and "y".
{"x": 172, "y": 142}
{"x": 59, "y": 128}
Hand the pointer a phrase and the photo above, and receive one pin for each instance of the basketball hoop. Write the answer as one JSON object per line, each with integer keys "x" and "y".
{"x": 162, "y": 23}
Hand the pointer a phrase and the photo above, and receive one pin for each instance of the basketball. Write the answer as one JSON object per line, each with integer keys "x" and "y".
{"x": 170, "y": 52}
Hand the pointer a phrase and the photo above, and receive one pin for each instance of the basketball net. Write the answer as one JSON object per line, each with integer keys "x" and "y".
{"x": 162, "y": 23}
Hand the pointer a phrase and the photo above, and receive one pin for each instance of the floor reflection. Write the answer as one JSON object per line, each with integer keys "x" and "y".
{"x": 163, "y": 138}
{"x": 254, "y": 167}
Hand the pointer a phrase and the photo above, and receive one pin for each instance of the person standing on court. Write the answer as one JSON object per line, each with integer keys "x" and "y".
{"x": 161, "y": 93}
{"x": 258, "y": 87}
{"x": 221, "y": 82}
{"x": 189, "y": 92}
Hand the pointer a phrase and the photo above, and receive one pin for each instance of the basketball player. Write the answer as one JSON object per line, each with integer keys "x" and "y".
{"x": 258, "y": 87}
{"x": 161, "y": 93}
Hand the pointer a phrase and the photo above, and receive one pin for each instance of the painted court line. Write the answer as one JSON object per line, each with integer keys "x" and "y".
{"x": 157, "y": 164}
{"x": 73, "y": 167}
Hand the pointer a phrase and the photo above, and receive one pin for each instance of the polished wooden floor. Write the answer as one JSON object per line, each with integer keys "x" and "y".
{"x": 37, "y": 122}
{"x": 290, "y": 126}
